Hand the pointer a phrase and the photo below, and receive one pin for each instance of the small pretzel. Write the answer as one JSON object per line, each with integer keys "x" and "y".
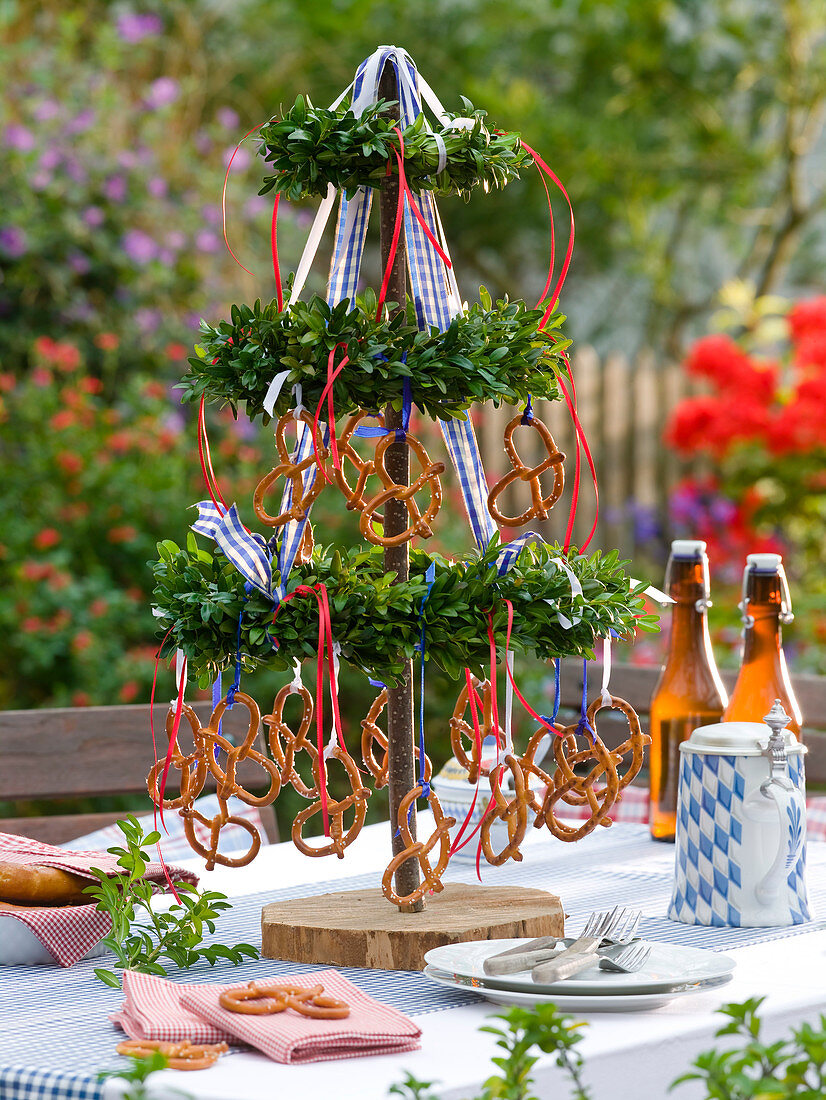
{"x": 284, "y": 744}
{"x": 429, "y": 477}
{"x": 305, "y": 547}
{"x": 577, "y": 790}
{"x": 192, "y": 766}
{"x": 460, "y": 727}
{"x": 184, "y": 1055}
{"x": 340, "y": 836}
{"x": 320, "y": 1007}
{"x": 254, "y": 1000}
{"x": 371, "y": 733}
{"x": 634, "y": 743}
{"x": 364, "y": 467}
{"x": 540, "y": 506}
{"x": 293, "y": 472}
{"x": 413, "y": 849}
{"x": 513, "y": 811}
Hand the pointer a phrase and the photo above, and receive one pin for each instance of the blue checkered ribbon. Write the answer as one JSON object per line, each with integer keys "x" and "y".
{"x": 293, "y": 531}
{"x": 247, "y": 550}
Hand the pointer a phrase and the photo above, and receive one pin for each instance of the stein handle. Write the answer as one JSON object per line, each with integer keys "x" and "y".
{"x": 791, "y": 809}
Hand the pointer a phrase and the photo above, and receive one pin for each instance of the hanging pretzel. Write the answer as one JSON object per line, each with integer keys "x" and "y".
{"x": 540, "y": 506}
{"x": 372, "y": 735}
{"x": 305, "y": 547}
{"x": 340, "y": 835}
{"x": 284, "y": 744}
{"x": 633, "y": 744}
{"x": 512, "y": 810}
{"x": 460, "y": 728}
{"x": 363, "y": 467}
{"x": 228, "y": 785}
{"x": 527, "y": 763}
{"x": 420, "y": 851}
{"x": 293, "y": 472}
{"x": 429, "y": 477}
{"x": 578, "y": 790}
{"x": 192, "y": 766}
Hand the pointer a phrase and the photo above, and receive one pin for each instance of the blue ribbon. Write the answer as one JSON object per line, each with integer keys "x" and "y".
{"x": 236, "y": 683}
{"x": 375, "y": 432}
{"x": 557, "y": 695}
{"x": 527, "y": 415}
{"x": 430, "y": 577}
{"x": 583, "y": 724}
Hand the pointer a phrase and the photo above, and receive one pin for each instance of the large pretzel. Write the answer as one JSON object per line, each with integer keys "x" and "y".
{"x": 540, "y": 505}
{"x": 293, "y": 472}
{"x": 340, "y": 835}
{"x": 420, "y": 851}
{"x": 363, "y": 467}
{"x": 192, "y": 766}
{"x": 372, "y": 735}
{"x": 429, "y": 477}
{"x": 184, "y": 1055}
{"x": 460, "y": 728}
{"x": 634, "y": 743}
{"x": 284, "y": 744}
{"x": 512, "y": 810}
{"x": 529, "y": 767}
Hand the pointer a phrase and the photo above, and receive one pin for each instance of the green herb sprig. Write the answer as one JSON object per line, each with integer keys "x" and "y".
{"x": 311, "y": 147}
{"x": 199, "y": 595}
{"x": 488, "y": 353}
{"x": 136, "y": 1076}
{"x": 140, "y": 936}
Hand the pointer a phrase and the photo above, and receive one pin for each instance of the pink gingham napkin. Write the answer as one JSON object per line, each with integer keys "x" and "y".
{"x": 371, "y": 1027}
{"x": 152, "y": 1009}
{"x": 69, "y": 931}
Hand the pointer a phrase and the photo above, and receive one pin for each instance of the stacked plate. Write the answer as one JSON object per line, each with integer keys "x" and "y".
{"x": 669, "y": 972}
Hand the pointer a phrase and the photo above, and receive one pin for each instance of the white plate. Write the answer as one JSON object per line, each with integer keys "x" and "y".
{"x": 667, "y": 965}
{"x": 632, "y": 1002}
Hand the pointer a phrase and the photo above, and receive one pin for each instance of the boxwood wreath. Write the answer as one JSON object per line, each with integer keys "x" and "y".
{"x": 199, "y": 597}
{"x": 311, "y": 147}
{"x": 488, "y": 353}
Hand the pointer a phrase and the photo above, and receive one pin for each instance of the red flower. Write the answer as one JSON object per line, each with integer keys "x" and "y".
{"x": 46, "y": 538}
{"x": 155, "y": 389}
{"x": 729, "y": 368}
{"x": 175, "y": 350}
{"x": 98, "y": 607}
{"x": 32, "y": 625}
{"x": 69, "y": 462}
{"x": 7, "y": 383}
{"x": 41, "y": 377}
{"x": 80, "y": 699}
{"x": 63, "y": 419}
{"x": 107, "y": 341}
{"x": 129, "y": 691}
{"x": 122, "y": 534}
{"x": 687, "y": 428}
{"x": 120, "y": 442}
{"x": 90, "y": 385}
{"x": 82, "y": 640}
{"x": 806, "y": 317}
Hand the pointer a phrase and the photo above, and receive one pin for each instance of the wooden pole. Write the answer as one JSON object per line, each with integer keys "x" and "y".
{"x": 401, "y": 760}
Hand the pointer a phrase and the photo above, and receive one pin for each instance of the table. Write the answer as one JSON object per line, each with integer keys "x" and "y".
{"x": 626, "y": 1056}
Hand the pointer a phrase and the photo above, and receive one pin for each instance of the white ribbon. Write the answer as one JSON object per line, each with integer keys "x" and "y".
{"x": 295, "y": 683}
{"x": 606, "y": 671}
{"x": 298, "y": 397}
{"x": 180, "y": 674}
{"x": 329, "y": 748}
{"x": 313, "y": 241}
{"x": 273, "y": 390}
{"x": 653, "y": 593}
{"x": 576, "y": 587}
{"x": 508, "y": 703}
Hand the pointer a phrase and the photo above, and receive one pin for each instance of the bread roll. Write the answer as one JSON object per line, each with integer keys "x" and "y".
{"x": 42, "y": 886}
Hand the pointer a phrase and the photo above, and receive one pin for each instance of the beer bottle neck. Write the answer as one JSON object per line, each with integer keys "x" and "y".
{"x": 688, "y": 587}
{"x": 762, "y": 635}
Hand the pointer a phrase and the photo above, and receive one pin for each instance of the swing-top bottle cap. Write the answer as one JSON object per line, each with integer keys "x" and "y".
{"x": 690, "y": 549}
{"x": 764, "y": 563}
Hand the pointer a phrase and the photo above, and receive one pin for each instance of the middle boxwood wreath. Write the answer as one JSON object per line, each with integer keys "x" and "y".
{"x": 199, "y": 597}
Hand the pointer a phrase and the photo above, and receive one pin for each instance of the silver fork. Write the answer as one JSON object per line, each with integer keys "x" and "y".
{"x": 524, "y": 956}
{"x": 582, "y": 953}
{"x": 630, "y": 958}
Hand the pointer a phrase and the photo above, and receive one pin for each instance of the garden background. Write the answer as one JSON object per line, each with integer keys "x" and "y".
{"x": 690, "y": 136}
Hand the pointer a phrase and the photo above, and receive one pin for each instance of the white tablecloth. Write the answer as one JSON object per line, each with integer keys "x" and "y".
{"x": 631, "y": 1056}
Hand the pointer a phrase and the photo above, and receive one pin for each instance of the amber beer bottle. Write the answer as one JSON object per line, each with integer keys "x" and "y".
{"x": 689, "y": 692}
{"x": 763, "y": 676}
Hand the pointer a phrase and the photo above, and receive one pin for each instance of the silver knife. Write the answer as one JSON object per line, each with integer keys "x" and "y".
{"x": 579, "y": 956}
{"x": 508, "y": 963}
{"x": 525, "y": 947}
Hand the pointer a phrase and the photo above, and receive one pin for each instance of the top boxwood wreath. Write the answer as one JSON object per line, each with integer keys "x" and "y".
{"x": 487, "y": 353}
{"x": 311, "y": 147}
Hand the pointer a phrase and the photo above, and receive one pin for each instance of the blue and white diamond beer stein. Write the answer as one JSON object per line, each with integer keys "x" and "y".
{"x": 741, "y": 826}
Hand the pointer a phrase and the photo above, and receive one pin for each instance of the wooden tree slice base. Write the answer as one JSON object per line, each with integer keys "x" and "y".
{"x": 361, "y": 928}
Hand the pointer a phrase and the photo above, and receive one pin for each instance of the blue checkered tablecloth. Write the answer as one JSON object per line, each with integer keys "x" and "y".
{"x": 54, "y": 1030}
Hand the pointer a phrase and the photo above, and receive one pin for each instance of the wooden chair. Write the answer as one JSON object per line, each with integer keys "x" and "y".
{"x": 86, "y": 752}
{"x": 636, "y": 683}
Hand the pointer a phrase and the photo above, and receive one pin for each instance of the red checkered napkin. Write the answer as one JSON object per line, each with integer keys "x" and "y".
{"x": 371, "y": 1027}
{"x": 68, "y": 932}
{"x": 152, "y": 1009}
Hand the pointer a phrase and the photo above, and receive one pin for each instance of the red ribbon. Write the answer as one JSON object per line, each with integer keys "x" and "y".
{"x": 538, "y": 717}
{"x": 327, "y": 392}
{"x": 325, "y": 641}
{"x": 205, "y": 458}
{"x": 581, "y": 441}
{"x": 549, "y": 172}
{"x": 224, "y": 197}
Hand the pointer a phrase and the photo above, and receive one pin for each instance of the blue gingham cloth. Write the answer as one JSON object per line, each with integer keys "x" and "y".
{"x": 60, "y": 1023}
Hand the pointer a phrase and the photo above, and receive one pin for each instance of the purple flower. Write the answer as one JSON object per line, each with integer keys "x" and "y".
{"x": 18, "y": 137}
{"x": 115, "y": 188}
{"x": 147, "y": 320}
{"x": 13, "y": 241}
{"x": 162, "y": 92}
{"x": 258, "y": 204}
{"x": 166, "y": 257}
{"x": 175, "y": 239}
{"x": 128, "y": 159}
{"x": 241, "y": 161}
{"x": 226, "y": 117}
{"x": 207, "y": 241}
{"x": 134, "y": 26}
{"x": 211, "y": 213}
{"x": 50, "y": 159}
{"x": 203, "y": 142}
{"x": 139, "y": 246}
{"x": 93, "y": 216}
{"x": 157, "y": 187}
{"x": 40, "y": 180}
{"x": 81, "y": 122}
{"x": 46, "y": 110}
{"x": 78, "y": 263}
{"x": 75, "y": 170}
